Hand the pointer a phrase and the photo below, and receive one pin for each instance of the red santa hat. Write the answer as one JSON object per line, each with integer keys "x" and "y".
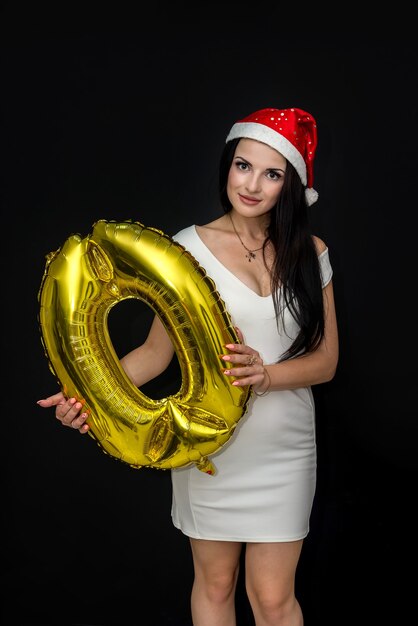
{"x": 292, "y": 132}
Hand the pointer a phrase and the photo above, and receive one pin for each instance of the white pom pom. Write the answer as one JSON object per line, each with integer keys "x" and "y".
{"x": 311, "y": 195}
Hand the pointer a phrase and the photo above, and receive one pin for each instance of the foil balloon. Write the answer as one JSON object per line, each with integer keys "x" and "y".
{"x": 81, "y": 283}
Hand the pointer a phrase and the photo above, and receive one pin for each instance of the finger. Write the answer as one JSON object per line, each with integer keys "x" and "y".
{"x": 250, "y": 371}
{"x": 243, "y": 381}
{"x": 75, "y": 420}
{"x": 246, "y": 358}
{"x": 84, "y": 429}
{"x": 235, "y": 347}
{"x": 69, "y": 411}
{"x": 79, "y": 423}
{"x": 239, "y": 333}
{"x": 53, "y": 400}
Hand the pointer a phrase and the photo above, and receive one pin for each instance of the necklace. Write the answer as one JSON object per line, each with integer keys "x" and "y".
{"x": 251, "y": 254}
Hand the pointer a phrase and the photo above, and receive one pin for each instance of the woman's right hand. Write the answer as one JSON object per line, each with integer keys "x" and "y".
{"x": 67, "y": 411}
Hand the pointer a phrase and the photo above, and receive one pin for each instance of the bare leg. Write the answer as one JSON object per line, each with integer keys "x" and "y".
{"x": 216, "y": 567}
{"x": 270, "y": 583}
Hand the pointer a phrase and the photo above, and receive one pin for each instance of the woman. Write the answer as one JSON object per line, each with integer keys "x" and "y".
{"x": 276, "y": 280}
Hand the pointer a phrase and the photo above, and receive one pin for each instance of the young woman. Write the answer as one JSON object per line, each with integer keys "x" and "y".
{"x": 275, "y": 278}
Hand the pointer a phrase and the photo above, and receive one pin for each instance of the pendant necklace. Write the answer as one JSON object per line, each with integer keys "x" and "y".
{"x": 250, "y": 253}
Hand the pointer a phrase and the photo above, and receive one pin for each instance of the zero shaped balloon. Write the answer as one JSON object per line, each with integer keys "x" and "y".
{"x": 82, "y": 281}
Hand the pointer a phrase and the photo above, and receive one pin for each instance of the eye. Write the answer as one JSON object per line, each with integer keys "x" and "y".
{"x": 274, "y": 175}
{"x": 241, "y": 165}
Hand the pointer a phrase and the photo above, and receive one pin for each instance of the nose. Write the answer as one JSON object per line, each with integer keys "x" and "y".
{"x": 253, "y": 183}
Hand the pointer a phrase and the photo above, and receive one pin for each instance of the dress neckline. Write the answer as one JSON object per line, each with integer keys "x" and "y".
{"x": 238, "y": 280}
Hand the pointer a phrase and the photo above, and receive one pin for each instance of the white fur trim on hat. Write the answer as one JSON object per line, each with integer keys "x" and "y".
{"x": 311, "y": 195}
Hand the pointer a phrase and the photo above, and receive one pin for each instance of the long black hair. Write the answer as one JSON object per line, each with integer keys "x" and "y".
{"x": 295, "y": 277}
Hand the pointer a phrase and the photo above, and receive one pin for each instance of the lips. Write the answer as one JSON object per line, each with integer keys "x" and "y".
{"x": 248, "y": 199}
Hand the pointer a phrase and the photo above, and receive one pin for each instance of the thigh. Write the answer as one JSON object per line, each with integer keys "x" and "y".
{"x": 215, "y": 558}
{"x": 271, "y": 567}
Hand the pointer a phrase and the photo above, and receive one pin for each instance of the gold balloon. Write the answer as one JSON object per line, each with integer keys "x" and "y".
{"x": 82, "y": 281}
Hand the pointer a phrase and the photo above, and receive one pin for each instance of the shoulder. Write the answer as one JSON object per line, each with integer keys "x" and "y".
{"x": 185, "y": 233}
{"x": 320, "y": 245}
{"x": 324, "y": 261}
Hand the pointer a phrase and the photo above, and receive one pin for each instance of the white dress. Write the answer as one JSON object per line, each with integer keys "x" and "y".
{"x": 265, "y": 478}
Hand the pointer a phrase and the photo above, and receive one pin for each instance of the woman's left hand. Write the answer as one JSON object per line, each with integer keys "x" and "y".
{"x": 247, "y": 364}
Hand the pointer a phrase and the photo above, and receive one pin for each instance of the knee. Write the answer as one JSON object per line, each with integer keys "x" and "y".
{"x": 221, "y": 586}
{"x": 275, "y": 608}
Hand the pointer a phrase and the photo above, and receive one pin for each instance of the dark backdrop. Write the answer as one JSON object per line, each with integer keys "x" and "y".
{"x": 129, "y": 125}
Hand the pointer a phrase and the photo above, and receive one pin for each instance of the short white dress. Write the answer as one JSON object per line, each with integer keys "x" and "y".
{"x": 265, "y": 478}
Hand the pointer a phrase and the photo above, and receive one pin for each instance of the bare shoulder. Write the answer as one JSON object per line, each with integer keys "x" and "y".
{"x": 212, "y": 230}
{"x": 319, "y": 244}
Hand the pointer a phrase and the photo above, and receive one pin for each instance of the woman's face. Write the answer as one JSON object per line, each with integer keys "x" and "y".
{"x": 255, "y": 178}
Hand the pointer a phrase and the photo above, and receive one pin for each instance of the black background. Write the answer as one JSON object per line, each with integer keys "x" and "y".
{"x": 129, "y": 124}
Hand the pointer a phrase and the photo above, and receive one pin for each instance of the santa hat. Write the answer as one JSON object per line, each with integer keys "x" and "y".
{"x": 292, "y": 132}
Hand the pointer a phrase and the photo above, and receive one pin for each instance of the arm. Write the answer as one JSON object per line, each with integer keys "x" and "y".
{"x": 316, "y": 367}
{"x": 141, "y": 365}
{"x": 303, "y": 371}
{"x": 151, "y": 358}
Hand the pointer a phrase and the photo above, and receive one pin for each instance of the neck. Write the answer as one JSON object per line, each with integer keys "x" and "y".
{"x": 250, "y": 252}
{"x": 252, "y": 228}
